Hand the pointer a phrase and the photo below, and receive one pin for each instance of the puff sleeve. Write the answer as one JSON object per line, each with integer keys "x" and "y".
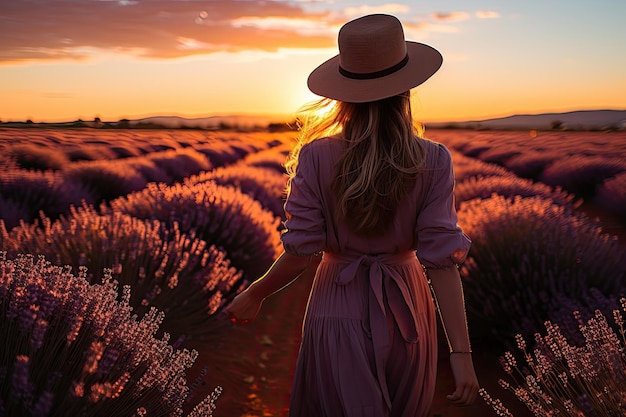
{"x": 305, "y": 232}
{"x": 440, "y": 240}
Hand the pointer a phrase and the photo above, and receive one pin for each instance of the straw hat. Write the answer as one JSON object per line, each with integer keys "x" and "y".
{"x": 374, "y": 62}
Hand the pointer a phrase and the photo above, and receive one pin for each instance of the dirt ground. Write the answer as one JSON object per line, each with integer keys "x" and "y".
{"x": 255, "y": 365}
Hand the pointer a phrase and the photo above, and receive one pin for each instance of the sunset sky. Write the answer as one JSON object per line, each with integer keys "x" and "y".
{"x": 61, "y": 60}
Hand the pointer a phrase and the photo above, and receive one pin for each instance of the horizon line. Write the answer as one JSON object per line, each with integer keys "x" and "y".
{"x": 287, "y": 116}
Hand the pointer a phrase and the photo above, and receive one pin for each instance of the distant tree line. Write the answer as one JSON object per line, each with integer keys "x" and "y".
{"x": 97, "y": 123}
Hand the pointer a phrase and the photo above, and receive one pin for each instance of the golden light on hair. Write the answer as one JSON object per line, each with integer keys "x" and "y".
{"x": 327, "y": 107}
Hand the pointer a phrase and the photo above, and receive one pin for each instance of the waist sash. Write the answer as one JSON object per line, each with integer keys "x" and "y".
{"x": 383, "y": 279}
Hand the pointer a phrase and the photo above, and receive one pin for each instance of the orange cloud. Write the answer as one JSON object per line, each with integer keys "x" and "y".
{"x": 74, "y": 29}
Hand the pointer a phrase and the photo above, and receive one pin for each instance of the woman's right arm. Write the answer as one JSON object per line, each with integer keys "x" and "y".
{"x": 246, "y": 305}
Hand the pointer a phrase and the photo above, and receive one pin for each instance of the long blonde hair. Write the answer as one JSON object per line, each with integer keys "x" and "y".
{"x": 382, "y": 158}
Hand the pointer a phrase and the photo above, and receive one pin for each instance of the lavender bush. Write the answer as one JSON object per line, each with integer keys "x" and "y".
{"x": 262, "y": 184}
{"x": 465, "y": 168}
{"x": 71, "y": 348}
{"x": 219, "y": 154}
{"x": 166, "y": 269}
{"x": 582, "y": 174}
{"x": 273, "y": 158}
{"x": 23, "y": 194}
{"x": 499, "y": 155}
{"x": 509, "y": 186}
{"x": 33, "y": 157}
{"x": 559, "y": 378}
{"x": 475, "y": 149}
{"x": 531, "y": 163}
{"x": 611, "y": 195}
{"x": 104, "y": 180}
{"x": 222, "y": 216}
{"x": 242, "y": 149}
{"x": 526, "y": 251}
{"x": 149, "y": 168}
{"x": 122, "y": 150}
{"x": 86, "y": 152}
{"x": 181, "y": 163}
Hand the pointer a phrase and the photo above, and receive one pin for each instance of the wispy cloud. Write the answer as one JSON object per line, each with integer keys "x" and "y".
{"x": 450, "y": 16}
{"x": 65, "y": 29}
{"x": 303, "y": 26}
{"x": 486, "y": 14}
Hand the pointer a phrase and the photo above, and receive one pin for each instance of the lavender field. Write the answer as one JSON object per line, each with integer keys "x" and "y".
{"x": 120, "y": 249}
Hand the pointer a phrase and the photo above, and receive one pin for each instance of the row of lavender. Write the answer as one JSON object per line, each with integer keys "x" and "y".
{"x": 181, "y": 226}
{"x": 186, "y": 244}
{"x": 591, "y": 165}
{"x": 540, "y": 270}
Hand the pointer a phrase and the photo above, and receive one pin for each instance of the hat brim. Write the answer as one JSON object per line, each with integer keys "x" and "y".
{"x": 326, "y": 81}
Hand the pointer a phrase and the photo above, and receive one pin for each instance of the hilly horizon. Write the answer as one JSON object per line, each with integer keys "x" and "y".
{"x": 571, "y": 120}
{"x": 574, "y": 120}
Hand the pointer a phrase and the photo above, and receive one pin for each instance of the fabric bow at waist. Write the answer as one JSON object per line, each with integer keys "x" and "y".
{"x": 383, "y": 279}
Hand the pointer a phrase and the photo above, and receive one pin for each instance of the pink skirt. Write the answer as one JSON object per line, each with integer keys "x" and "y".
{"x": 369, "y": 344}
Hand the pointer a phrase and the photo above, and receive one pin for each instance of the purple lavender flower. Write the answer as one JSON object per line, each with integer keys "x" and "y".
{"x": 42, "y": 407}
{"x": 21, "y": 386}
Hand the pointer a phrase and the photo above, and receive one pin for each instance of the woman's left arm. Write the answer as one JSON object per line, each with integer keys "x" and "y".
{"x": 245, "y": 306}
{"x": 446, "y": 283}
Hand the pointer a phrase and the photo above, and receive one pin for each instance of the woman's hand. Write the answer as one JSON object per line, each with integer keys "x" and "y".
{"x": 465, "y": 381}
{"x": 244, "y": 308}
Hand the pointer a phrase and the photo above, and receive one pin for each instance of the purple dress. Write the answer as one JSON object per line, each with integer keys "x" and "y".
{"x": 369, "y": 343}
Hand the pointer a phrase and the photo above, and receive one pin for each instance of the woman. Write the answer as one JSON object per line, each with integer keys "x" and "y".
{"x": 376, "y": 201}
